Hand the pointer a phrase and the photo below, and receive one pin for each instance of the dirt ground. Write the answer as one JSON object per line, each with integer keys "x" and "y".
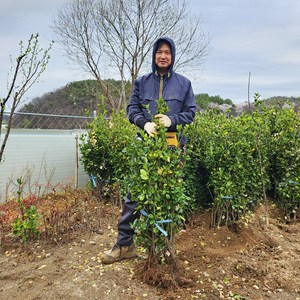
{"x": 246, "y": 261}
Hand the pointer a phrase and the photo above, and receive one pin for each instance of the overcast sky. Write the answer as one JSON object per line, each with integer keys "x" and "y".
{"x": 257, "y": 36}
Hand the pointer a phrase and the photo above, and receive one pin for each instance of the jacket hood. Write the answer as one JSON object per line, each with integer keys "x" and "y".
{"x": 173, "y": 50}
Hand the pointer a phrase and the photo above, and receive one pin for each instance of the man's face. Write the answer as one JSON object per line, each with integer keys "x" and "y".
{"x": 163, "y": 58}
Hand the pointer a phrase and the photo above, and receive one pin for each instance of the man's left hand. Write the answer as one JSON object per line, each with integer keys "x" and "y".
{"x": 164, "y": 120}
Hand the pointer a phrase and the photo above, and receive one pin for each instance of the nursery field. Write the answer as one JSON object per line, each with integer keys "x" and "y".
{"x": 219, "y": 220}
{"x": 247, "y": 260}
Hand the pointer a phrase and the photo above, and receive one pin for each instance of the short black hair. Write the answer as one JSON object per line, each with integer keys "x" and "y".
{"x": 162, "y": 42}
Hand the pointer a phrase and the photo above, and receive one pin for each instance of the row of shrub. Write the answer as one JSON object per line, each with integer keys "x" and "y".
{"x": 243, "y": 160}
{"x": 231, "y": 163}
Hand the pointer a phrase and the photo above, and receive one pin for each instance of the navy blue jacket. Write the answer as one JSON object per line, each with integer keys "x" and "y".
{"x": 177, "y": 93}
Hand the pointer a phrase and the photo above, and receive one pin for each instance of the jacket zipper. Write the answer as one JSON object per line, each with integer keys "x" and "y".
{"x": 161, "y": 84}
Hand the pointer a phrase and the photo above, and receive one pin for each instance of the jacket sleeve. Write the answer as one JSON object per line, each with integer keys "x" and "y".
{"x": 134, "y": 108}
{"x": 188, "y": 111}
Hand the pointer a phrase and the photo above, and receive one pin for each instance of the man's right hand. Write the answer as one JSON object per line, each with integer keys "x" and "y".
{"x": 150, "y": 128}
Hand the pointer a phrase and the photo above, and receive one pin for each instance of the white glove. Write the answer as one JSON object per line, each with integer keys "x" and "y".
{"x": 150, "y": 128}
{"x": 164, "y": 120}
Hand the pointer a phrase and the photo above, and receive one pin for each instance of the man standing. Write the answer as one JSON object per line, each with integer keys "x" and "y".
{"x": 177, "y": 92}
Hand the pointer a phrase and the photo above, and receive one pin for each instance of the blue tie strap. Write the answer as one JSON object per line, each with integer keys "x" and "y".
{"x": 94, "y": 180}
{"x": 144, "y": 213}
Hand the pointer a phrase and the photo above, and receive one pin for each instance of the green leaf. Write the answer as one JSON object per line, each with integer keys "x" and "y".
{"x": 144, "y": 174}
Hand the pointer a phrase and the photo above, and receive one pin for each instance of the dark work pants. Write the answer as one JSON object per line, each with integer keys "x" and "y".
{"x": 125, "y": 232}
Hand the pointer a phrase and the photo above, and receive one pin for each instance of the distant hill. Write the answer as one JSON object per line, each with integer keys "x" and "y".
{"x": 280, "y": 101}
{"x": 76, "y": 98}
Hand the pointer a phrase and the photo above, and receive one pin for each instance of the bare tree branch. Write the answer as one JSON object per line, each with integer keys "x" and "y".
{"x": 30, "y": 64}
